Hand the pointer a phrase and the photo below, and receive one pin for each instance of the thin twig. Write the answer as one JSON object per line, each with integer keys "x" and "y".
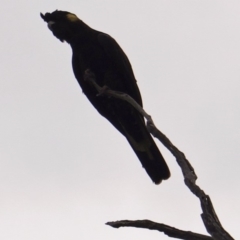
{"x": 170, "y": 231}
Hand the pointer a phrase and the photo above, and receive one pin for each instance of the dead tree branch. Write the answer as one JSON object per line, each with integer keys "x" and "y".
{"x": 208, "y": 215}
{"x": 170, "y": 231}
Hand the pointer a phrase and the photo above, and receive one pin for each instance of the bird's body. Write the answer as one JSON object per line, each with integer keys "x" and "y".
{"x": 101, "y": 54}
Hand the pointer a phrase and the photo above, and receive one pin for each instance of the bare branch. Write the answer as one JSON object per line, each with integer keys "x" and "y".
{"x": 209, "y": 215}
{"x": 170, "y": 231}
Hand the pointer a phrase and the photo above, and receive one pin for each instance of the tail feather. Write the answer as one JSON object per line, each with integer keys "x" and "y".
{"x": 151, "y": 158}
{"x": 131, "y": 124}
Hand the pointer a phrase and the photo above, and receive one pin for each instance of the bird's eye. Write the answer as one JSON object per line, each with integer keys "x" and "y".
{"x": 50, "y": 24}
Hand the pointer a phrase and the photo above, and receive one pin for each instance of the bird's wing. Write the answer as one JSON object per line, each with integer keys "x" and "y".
{"x": 121, "y": 63}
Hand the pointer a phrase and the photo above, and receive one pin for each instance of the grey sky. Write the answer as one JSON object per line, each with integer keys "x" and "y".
{"x": 65, "y": 171}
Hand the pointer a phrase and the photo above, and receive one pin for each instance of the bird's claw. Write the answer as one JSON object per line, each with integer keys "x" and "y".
{"x": 103, "y": 90}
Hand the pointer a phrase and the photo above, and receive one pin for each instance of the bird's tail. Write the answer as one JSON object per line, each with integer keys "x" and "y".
{"x": 150, "y": 156}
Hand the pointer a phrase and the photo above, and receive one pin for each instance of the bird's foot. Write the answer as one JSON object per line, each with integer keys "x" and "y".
{"x": 103, "y": 90}
{"x": 89, "y": 75}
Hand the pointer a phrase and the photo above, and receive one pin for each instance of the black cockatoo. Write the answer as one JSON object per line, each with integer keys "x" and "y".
{"x": 100, "y": 53}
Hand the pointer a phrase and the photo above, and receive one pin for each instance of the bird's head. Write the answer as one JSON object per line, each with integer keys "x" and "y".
{"x": 64, "y": 25}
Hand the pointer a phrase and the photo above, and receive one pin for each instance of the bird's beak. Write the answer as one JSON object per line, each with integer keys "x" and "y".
{"x": 50, "y": 24}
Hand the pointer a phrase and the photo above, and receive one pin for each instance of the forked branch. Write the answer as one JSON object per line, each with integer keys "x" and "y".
{"x": 209, "y": 216}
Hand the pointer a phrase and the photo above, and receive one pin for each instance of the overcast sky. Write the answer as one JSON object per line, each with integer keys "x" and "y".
{"x": 65, "y": 171}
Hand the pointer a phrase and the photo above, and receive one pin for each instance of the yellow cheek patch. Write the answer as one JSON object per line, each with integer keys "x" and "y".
{"x": 72, "y": 17}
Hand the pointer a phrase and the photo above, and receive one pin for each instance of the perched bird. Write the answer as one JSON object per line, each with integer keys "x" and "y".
{"x": 100, "y": 53}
